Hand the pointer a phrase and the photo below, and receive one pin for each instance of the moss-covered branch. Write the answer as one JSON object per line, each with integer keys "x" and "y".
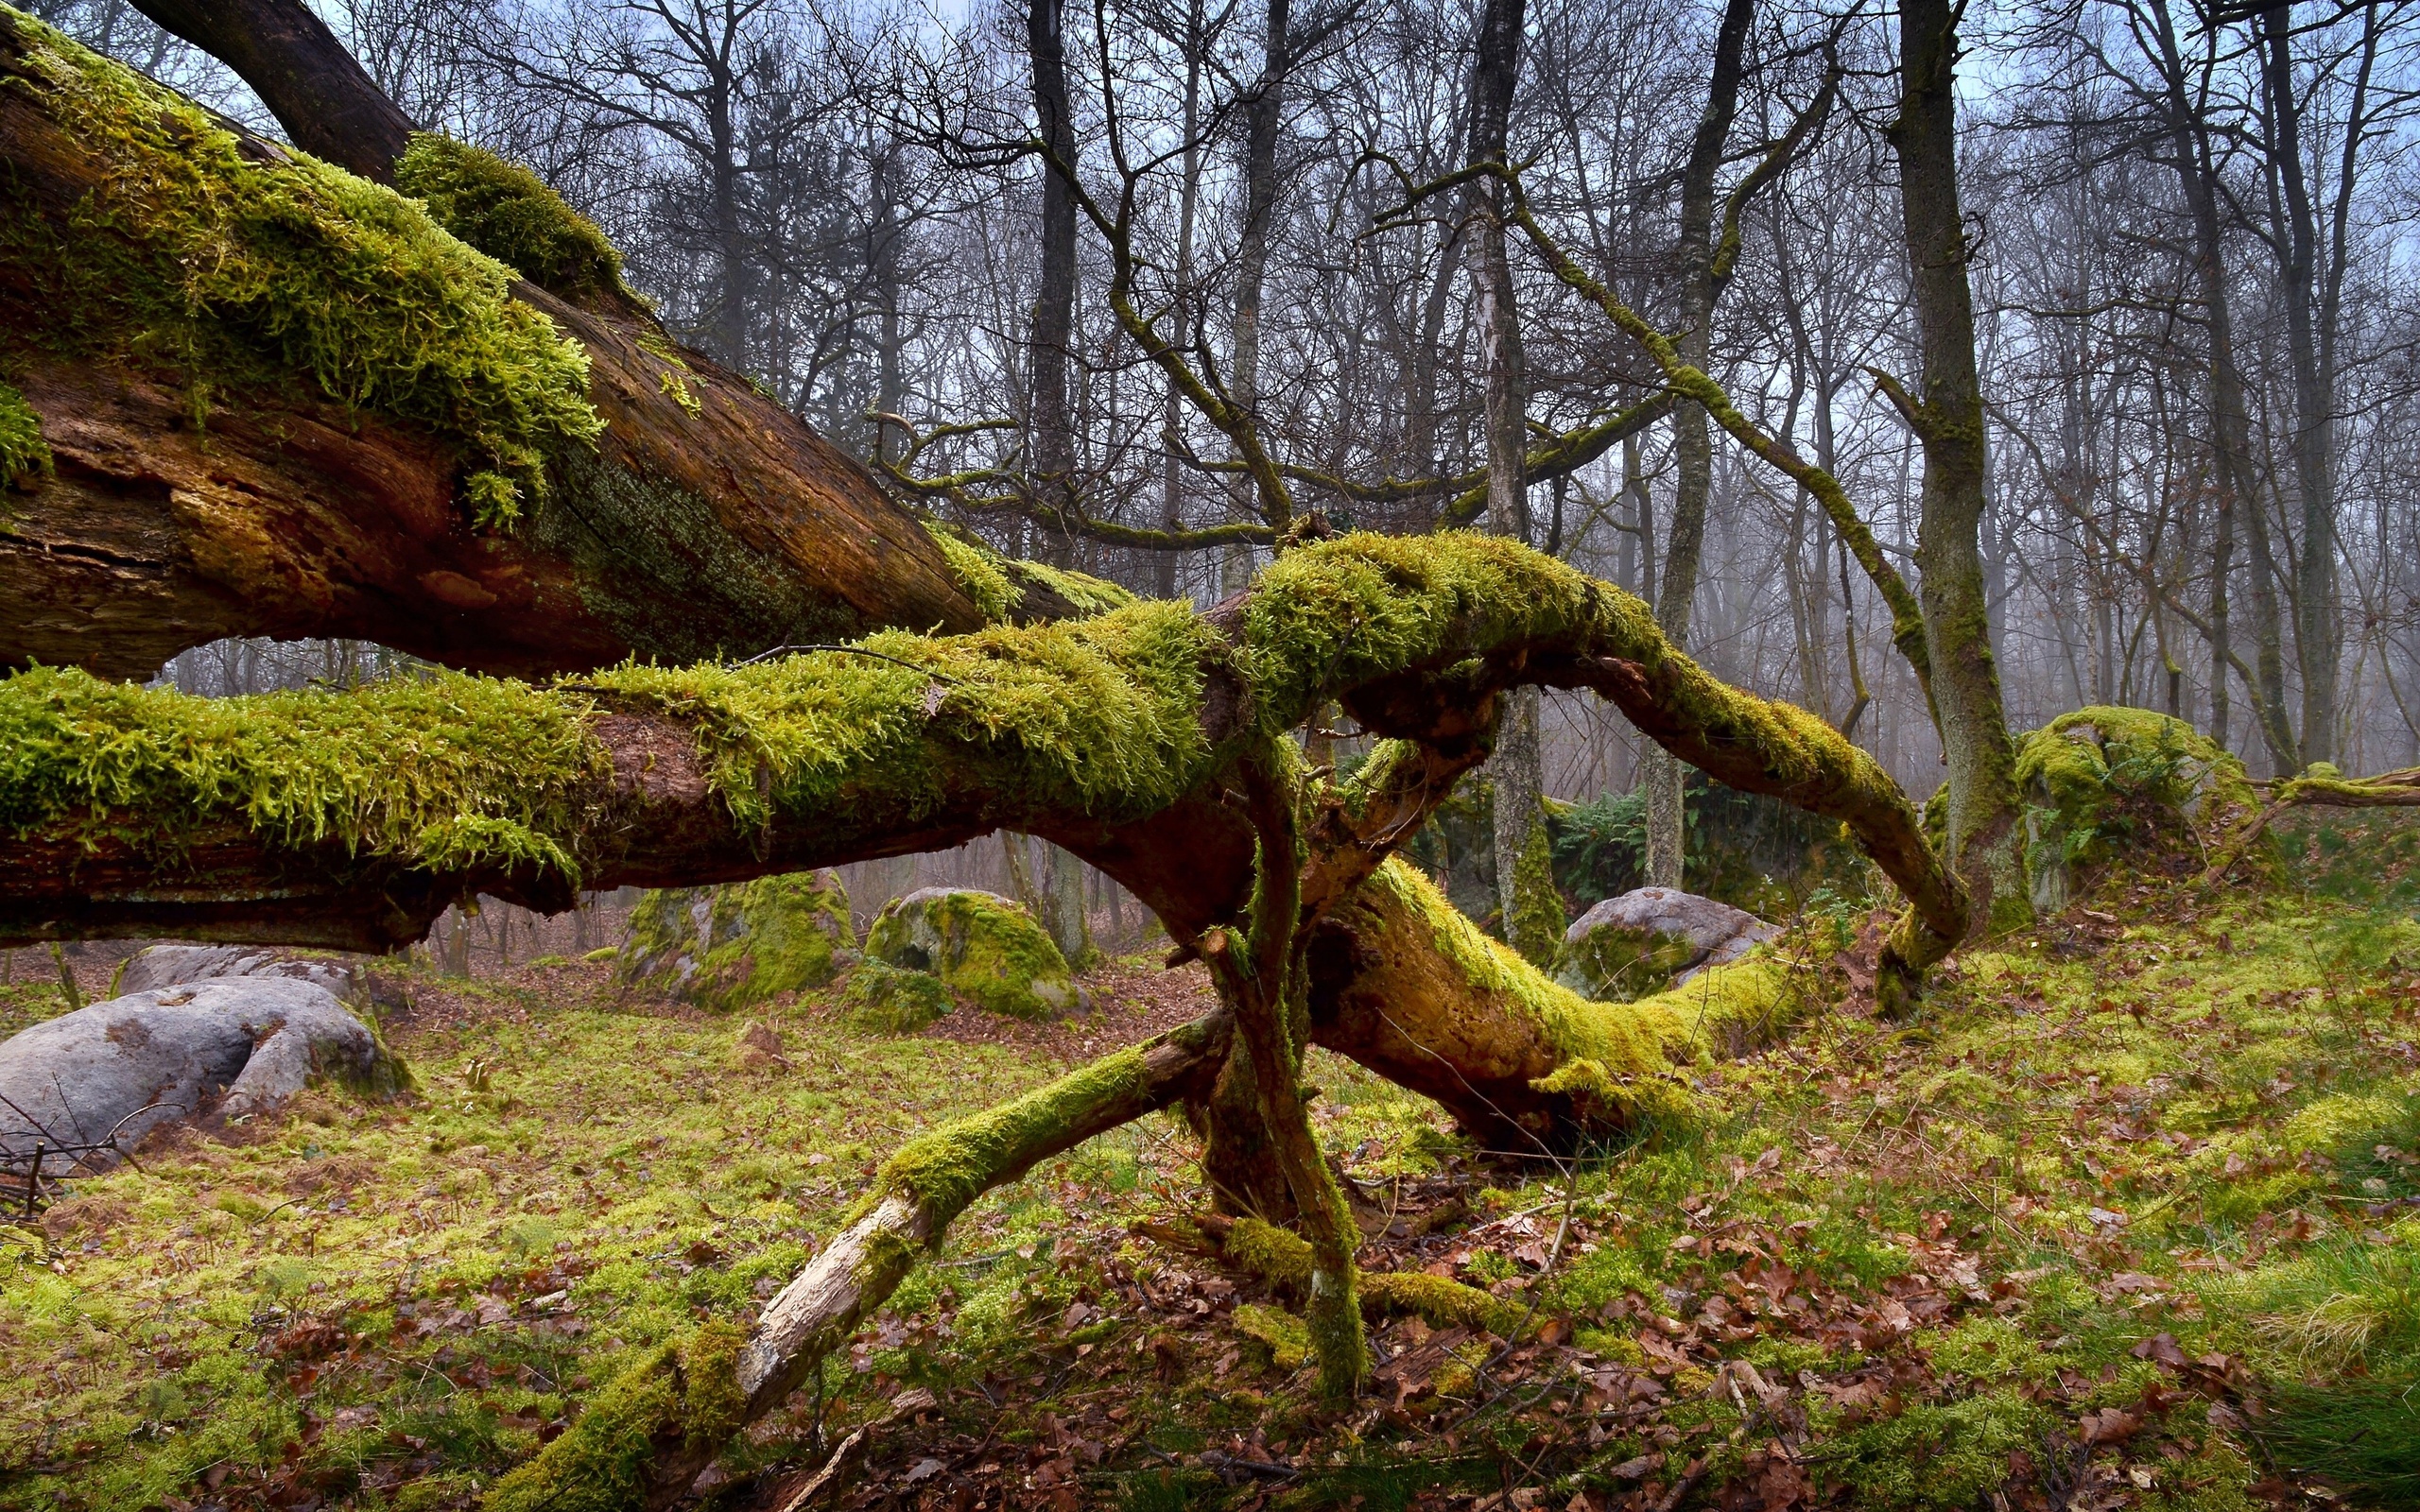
{"x": 135, "y": 811}
{"x": 2321, "y": 786}
{"x": 643, "y": 1438}
{"x": 1906, "y": 614}
{"x": 285, "y": 400}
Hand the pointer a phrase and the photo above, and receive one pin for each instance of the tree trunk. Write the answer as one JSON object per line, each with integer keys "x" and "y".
{"x": 317, "y": 90}
{"x": 1053, "y": 330}
{"x": 704, "y": 520}
{"x": 2310, "y": 331}
{"x": 1264, "y": 119}
{"x": 1692, "y": 443}
{"x": 648, "y": 777}
{"x": 1985, "y": 840}
{"x": 1188, "y": 207}
{"x": 2239, "y": 506}
{"x": 1514, "y": 769}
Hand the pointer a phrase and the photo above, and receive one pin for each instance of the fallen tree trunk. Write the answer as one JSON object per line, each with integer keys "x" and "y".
{"x": 277, "y": 401}
{"x": 1151, "y": 740}
{"x": 353, "y": 819}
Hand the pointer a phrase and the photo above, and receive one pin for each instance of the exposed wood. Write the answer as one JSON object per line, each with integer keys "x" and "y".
{"x": 683, "y": 536}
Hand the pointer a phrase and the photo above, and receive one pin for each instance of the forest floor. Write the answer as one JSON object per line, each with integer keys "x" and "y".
{"x": 2129, "y": 1218}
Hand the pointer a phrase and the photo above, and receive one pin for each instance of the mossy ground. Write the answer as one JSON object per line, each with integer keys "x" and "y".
{"x": 2144, "y": 1175}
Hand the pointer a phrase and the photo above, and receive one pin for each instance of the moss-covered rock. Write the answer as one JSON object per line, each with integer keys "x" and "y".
{"x": 731, "y": 948}
{"x": 2105, "y": 783}
{"x": 982, "y": 947}
{"x": 888, "y": 999}
{"x": 1649, "y": 940}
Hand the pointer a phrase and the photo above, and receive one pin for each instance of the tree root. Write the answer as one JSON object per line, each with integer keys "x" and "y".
{"x": 1282, "y": 1261}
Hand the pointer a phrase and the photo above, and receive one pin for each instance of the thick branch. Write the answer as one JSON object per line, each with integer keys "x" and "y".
{"x": 138, "y": 812}
{"x": 327, "y": 103}
{"x": 298, "y": 435}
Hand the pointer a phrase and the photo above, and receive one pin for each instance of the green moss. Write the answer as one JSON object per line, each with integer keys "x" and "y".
{"x": 2105, "y": 783}
{"x": 446, "y": 769}
{"x": 1099, "y": 717}
{"x": 509, "y": 213}
{"x": 886, "y": 999}
{"x": 1277, "y": 1256}
{"x": 733, "y": 947}
{"x": 681, "y": 1392}
{"x": 1936, "y": 1456}
{"x": 1612, "y": 964}
{"x": 949, "y": 1167}
{"x": 984, "y": 948}
{"x": 235, "y": 273}
{"x": 25, "y": 456}
{"x": 1633, "y": 1046}
{"x": 1438, "y": 1301}
{"x": 1538, "y": 919}
{"x": 1089, "y": 594}
{"x": 1283, "y": 1259}
{"x": 982, "y": 575}
{"x": 1289, "y": 1337}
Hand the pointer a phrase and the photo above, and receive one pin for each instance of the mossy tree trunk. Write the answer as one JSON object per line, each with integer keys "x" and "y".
{"x": 1692, "y": 442}
{"x": 1986, "y": 843}
{"x": 1153, "y": 741}
{"x": 224, "y": 492}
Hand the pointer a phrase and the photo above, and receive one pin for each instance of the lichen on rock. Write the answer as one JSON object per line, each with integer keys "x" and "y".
{"x": 1649, "y": 940}
{"x": 731, "y": 948}
{"x": 984, "y": 948}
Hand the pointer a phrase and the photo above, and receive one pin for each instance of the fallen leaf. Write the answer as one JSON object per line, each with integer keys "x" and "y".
{"x": 2110, "y": 1425}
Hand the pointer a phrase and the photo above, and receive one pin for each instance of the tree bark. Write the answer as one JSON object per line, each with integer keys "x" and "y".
{"x": 1515, "y": 767}
{"x": 1692, "y": 443}
{"x": 1985, "y": 840}
{"x": 289, "y": 514}
{"x": 319, "y": 91}
{"x": 1052, "y": 332}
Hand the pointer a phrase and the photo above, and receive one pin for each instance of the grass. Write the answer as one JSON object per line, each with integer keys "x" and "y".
{"x": 2126, "y": 1219}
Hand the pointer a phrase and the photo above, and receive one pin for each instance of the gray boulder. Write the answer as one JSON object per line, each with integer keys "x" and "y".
{"x": 1650, "y": 939}
{"x": 117, "y": 1069}
{"x": 160, "y": 966}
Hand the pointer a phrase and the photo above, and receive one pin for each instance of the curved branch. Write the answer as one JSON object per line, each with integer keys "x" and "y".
{"x": 1906, "y": 614}
{"x": 354, "y": 819}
